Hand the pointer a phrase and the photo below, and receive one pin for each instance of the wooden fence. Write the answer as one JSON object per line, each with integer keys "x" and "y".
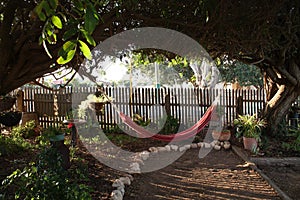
{"x": 185, "y": 104}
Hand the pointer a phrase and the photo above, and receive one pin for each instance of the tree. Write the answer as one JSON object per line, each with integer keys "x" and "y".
{"x": 264, "y": 33}
{"x": 245, "y": 75}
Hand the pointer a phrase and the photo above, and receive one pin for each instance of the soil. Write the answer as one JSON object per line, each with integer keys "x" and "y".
{"x": 220, "y": 175}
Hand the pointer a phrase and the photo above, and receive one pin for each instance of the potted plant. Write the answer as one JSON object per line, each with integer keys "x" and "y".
{"x": 93, "y": 101}
{"x": 54, "y": 134}
{"x": 56, "y": 137}
{"x": 249, "y": 127}
{"x": 223, "y": 135}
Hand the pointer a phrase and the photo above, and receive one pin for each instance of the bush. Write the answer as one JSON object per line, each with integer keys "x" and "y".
{"x": 29, "y": 130}
{"x": 46, "y": 179}
{"x": 13, "y": 145}
{"x": 171, "y": 125}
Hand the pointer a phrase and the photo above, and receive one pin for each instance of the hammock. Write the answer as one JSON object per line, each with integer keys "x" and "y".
{"x": 183, "y": 135}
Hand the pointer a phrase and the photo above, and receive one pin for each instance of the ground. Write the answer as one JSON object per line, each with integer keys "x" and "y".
{"x": 220, "y": 175}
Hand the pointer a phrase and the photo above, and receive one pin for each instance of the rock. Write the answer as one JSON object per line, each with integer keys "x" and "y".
{"x": 182, "y": 149}
{"x": 145, "y": 155}
{"x": 122, "y": 190}
{"x": 140, "y": 161}
{"x": 227, "y": 145}
{"x": 130, "y": 177}
{"x": 217, "y": 147}
{"x": 187, "y": 146}
{"x": 168, "y": 148}
{"x": 153, "y": 149}
{"x": 207, "y": 145}
{"x": 174, "y": 147}
{"x": 116, "y": 195}
{"x": 135, "y": 167}
{"x": 161, "y": 149}
{"x": 213, "y": 143}
{"x": 200, "y": 144}
{"x": 125, "y": 180}
{"x": 118, "y": 183}
{"x": 194, "y": 146}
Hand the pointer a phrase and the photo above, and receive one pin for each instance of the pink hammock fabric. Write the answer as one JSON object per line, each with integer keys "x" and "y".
{"x": 183, "y": 135}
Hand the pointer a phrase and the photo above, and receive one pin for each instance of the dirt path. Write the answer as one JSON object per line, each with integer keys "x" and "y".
{"x": 220, "y": 175}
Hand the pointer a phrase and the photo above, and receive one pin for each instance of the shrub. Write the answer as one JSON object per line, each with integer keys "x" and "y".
{"x": 46, "y": 179}
{"x": 11, "y": 145}
{"x": 29, "y": 130}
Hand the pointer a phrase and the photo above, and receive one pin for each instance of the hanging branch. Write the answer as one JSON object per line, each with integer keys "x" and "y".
{"x": 52, "y": 89}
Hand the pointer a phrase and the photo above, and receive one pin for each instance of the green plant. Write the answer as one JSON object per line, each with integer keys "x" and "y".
{"x": 141, "y": 120}
{"x": 29, "y": 130}
{"x": 170, "y": 126}
{"x": 50, "y": 133}
{"x": 294, "y": 140}
{"x": 92, "y": 98}
{"x": 249, "y": 126}
{"x": 13, "y": 144}
{"x": 47, "y": 179}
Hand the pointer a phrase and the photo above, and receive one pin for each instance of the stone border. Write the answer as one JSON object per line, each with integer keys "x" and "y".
{"x": 253, "y": 166}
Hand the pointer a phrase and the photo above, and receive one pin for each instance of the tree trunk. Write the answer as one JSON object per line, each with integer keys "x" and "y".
{"x": 279, "y": 100}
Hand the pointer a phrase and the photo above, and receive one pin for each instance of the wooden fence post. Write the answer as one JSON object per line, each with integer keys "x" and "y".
{"x": 239, "y": 106}
{"x": 20, "y": 101}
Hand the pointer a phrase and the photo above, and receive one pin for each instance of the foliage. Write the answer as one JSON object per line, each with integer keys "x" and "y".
{"x": 262, "y": 32}
{"x": 29, "y": 130}
{"x": 121, "y": 139}
{"x": 10, "y": 145}
{"x": 244, "y": 74}
{"x": 170, "y": 126}
{"x": 81, "y": 26}
{"x": 48, "y": 134}
{"x": 47, "y": 179}
{"x": 141, "y": 120}
{"x": 91, "y": 98}
{"x": 294, "y": 140}
{"x": 249, "y": 126}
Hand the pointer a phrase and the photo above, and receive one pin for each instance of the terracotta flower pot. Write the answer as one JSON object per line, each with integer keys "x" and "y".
{"x": 250, "y": 143}
{"x": 221, "y": 136}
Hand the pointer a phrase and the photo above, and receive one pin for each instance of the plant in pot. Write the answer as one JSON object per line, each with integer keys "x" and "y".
{"x": 94, "y": 102}
{"x": 249, "y": 127}
{"x": 56, "y": 137}
{"x": 54, "y": 134}
{"x": 223, "y": 135}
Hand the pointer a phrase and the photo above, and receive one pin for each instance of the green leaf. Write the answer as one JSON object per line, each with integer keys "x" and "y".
{"x": 66, "y": 48}
{"x": 53, "y": 3}
{"x": 69, "y": 33}
{"x": 47, "y": 8}
{"x": 90, "y": 19}
{"x": 85, "y": 50}
{"x": 78, "y": 5}
{"x": 63, "y": 60}
{"x": 56, "y": 21}
{"x": 88, "y": 37}
{"x": 39, "y": 11}
{"x": 69, "y": 45}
